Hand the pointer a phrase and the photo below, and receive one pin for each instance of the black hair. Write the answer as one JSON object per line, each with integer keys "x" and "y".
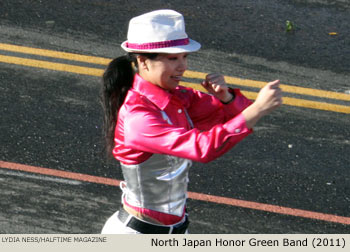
{"x": 117, "y": 80}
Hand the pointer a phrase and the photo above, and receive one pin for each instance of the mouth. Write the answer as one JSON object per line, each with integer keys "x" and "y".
{"x": 176, "y": 78}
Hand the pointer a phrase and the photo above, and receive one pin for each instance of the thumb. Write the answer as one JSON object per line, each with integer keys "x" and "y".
{"x": 274, "y": 84}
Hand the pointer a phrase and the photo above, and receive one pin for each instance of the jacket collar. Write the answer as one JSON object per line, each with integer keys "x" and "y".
{"x": 154, "y": 93}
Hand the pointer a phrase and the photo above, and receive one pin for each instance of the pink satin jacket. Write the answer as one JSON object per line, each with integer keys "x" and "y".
{"x": 183, "y": 122}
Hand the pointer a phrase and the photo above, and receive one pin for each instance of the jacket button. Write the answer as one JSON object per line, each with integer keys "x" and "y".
{"x": 179, "y": 111}
{"x": 237, "y": 130}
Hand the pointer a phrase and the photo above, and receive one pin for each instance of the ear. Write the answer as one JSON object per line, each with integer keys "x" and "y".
{"x": 142, "y": 62}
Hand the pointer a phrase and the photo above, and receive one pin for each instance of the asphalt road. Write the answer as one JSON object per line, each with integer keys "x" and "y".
{"x": 297, "y": 158}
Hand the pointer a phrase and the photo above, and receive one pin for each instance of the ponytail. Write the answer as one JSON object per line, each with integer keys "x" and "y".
{"x": 117, "y": 80}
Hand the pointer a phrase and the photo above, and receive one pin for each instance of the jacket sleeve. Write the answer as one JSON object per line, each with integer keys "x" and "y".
{"x": 206, "y": 111}
{"x": 147, "y": 131}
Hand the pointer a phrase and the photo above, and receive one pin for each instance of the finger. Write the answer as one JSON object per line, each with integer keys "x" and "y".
{"x": 279, "y": 97}
{"x": 213, "y": 81}
{"x": 215, "y": 78}
{"x": 279, "y": 102}
{"x": 213, "y": 86}
{"x": 274, "y": 84}
{"x": 207, "y": 86}
{"x": 211, "y": 76}
{"x": 279, "y": 92}
{"x": 217, "y": 88}
{"x": 204, "y": 85}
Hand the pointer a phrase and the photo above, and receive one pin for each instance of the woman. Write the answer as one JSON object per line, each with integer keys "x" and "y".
{"x": 156, "y": 128}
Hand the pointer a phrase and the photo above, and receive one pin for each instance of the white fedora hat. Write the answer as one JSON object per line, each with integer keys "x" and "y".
{"x": 160, "y": 31}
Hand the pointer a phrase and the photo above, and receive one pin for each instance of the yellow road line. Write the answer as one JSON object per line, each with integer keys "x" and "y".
{"x": 51, "y": 65}
{"x": 316, "y": 105}
{"x": 285, "y": 88}
{"x": 306, "y": 103}
{"x": 99, "y": 72}
{"x": 188, "y": 74}
{"x": 54, "y": 54}
{"x": 289, "y": 101}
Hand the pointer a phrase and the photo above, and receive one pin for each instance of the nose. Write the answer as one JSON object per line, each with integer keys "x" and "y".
{"x": 182, "y": 66}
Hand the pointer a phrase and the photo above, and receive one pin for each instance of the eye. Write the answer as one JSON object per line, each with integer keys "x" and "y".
{"x": 177, "y": 57}
{"x": 172, "y": 58}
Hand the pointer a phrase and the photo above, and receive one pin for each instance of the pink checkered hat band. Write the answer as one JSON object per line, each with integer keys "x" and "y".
{"x": 157, "y": 45}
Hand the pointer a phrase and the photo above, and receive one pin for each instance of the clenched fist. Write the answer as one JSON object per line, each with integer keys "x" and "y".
{"x": 269, "y": 98}
{"x": 215, "y": 84}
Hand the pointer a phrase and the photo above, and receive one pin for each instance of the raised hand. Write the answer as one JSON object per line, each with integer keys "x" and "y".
{"x": 215, "y": 84}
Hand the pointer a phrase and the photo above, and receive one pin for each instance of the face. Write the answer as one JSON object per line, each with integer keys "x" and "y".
{"x": 166, "y": 70}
